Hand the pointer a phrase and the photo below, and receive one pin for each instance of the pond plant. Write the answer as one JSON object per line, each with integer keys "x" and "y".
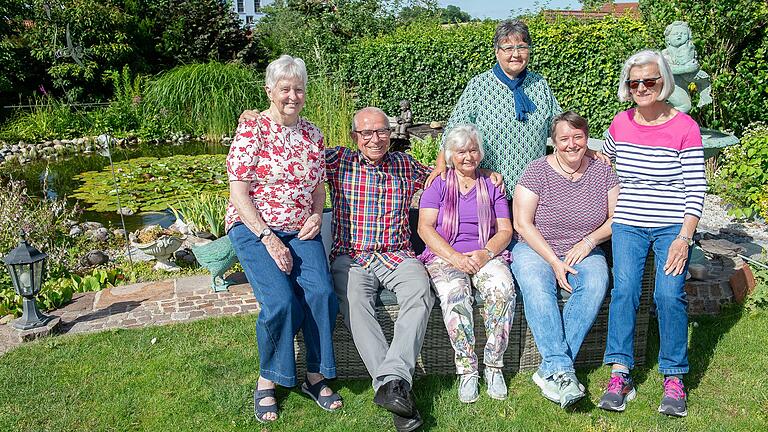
{"x": 152, "y": 184}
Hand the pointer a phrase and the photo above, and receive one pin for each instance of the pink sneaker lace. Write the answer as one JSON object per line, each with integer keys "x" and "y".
{"x": 615, "y": 384}
{"x": 673, "y": 388}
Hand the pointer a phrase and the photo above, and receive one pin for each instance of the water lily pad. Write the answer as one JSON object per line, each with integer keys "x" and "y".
{"x": 152, "y": 184}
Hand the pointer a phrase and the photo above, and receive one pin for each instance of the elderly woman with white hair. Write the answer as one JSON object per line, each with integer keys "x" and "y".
{"x": 465, "y": 223}
{"x": 660, "y": 163}
{"x": 276, "y": 169}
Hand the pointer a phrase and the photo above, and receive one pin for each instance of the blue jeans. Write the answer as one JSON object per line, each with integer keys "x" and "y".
{"x": 559, "y": 337}
{"x": 630, "y": 249}
{"x": 303, "y": 299}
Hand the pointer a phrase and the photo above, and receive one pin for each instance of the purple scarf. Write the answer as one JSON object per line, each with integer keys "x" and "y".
{"x": 450, "y": 221}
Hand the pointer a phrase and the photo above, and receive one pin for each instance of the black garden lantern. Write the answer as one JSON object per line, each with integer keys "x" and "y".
{"x": 27, "y": 266}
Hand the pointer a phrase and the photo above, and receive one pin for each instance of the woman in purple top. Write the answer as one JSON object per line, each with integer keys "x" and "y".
{"x": 464, "y": 222}
{"x": 563, "y": 207}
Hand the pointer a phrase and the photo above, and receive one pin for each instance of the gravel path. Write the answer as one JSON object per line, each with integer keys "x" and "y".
{"x": 716, "y": 220}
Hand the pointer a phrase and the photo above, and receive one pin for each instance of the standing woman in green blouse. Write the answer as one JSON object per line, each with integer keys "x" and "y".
{"x": 510, "y": 106}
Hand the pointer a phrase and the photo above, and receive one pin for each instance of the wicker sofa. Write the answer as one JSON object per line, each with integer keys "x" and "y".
{"x": 437, "y": 356}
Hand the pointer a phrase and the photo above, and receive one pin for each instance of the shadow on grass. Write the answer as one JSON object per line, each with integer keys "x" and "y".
{"x": 706, "y": 334}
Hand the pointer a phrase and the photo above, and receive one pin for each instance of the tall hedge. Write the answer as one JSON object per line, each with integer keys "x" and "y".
{"x": 431, "y": 65}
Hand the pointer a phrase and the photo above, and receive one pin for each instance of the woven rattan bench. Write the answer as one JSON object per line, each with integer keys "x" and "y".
{"x": 437, "y": 354}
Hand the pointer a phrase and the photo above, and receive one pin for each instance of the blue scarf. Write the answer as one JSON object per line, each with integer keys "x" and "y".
{"x": 523, "y": 105}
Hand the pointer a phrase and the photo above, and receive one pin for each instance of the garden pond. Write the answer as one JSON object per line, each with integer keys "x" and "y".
{"x": 152, "y": 177}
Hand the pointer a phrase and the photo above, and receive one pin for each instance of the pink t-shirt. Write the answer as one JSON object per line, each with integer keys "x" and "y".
{"x": 283, "y": 164}
{"x": 568, "y": 211}
{"x": 468, "y": 232}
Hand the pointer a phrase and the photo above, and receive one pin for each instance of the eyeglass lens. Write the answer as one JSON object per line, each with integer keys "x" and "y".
{"x": 368, "y": 133}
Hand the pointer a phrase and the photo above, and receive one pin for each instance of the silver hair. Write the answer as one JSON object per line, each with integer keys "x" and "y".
{"x": 509, "y": 28}
{"x": 285, "y": 67}
{"x": 643, "y": 58}
{"x": 458, "y": 138}
{"x": 368, "y": 109}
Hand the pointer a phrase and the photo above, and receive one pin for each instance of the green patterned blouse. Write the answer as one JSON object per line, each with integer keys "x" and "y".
{"x": 510, "y": 145}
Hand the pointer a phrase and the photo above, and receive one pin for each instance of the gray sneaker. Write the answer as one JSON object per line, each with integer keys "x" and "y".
{"x": 468, "y": 391}
{"x": 620, "y": 390}
{"x": 569, "y": 388}
{"x": 674, "y": 401}
{"x": 497, "y": 387}
{"x": 548, "y": 387}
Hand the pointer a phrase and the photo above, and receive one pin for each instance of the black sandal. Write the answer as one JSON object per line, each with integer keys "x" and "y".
{"x": 314, "y": 390}
{"x": 262, "y": 410}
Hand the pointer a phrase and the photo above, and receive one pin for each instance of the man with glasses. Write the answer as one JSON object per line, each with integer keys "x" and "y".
{"x": 371, "y": 192}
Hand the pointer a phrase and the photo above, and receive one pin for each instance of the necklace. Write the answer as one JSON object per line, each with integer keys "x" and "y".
{"x": 570, "y": 174}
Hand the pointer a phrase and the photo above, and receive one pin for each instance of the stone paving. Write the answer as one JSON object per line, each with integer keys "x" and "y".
{"x": 145, "y": 304}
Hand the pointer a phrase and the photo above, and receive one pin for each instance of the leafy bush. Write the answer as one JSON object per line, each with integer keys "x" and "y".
{"x": 148, "y": 183}
{"x": 425, "y": 150}
{"x": 46, "y": 227}
{"x": 48, "y": 118}
{"x": 742, "y": 179}
{"x": 431, "y": 65}
{"x": 201, "y": 99}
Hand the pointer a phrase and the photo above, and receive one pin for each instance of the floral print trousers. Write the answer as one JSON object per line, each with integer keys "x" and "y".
{"x": 454, "y": 288}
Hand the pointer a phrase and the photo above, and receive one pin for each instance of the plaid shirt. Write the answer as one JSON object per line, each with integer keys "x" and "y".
{"x": 370, "y": 205}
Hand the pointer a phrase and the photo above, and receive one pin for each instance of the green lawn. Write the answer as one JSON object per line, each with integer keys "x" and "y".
{"x": 199, "y": 376}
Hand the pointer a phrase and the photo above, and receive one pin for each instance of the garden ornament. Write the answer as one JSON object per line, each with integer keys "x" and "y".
{"x": 26, "y": 266}
{"x": 162, "y": 250}
{"x": 216, "y": 256}
{"x": 689, "y": 78}
{"x": 404, "y": 120}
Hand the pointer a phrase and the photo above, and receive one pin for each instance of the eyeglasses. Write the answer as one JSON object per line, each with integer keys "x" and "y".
{"x": 648, "y": 82}
{"x": 367, "y": 134}
{"x": 509, "y": 49}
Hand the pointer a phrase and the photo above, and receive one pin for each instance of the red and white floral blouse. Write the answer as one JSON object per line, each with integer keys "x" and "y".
{"x": 283, "y": 164}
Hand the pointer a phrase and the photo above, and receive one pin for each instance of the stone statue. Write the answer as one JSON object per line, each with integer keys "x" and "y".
{"x": 404, "y": 120}
{"x": 681, "y": 55}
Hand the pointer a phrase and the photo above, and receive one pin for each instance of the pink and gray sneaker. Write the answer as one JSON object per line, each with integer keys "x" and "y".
{"x": 620, "y": 390}
{"x": 674, "y": 401}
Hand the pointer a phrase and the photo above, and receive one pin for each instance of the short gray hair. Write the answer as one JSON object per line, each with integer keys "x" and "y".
{"x": 458, "y": 138}
{"x": 508, "y": 28}
{"x": 643, "y": 58}
{"x": 285, "y": 67}
{"x": 371, "y": 109}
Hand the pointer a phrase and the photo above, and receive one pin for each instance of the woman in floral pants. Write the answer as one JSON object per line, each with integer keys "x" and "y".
{"x": 464, "y": 222}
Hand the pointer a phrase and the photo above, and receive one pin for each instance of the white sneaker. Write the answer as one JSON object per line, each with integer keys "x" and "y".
{"x": 497, "y": 387}
{"x": 468, "y": 387}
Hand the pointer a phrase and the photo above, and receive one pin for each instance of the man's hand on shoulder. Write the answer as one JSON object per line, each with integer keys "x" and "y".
{"x": 248, "y": 115}
{"x": 602, "y": 157}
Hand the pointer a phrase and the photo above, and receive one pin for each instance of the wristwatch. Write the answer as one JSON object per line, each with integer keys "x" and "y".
{"x": 688, "y": 240}
{"x": 490, "y": 253}
{"x": 266, "y": 232}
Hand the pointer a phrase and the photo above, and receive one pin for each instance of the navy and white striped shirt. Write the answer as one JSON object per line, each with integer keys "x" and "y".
{"x": 661, "y": 168}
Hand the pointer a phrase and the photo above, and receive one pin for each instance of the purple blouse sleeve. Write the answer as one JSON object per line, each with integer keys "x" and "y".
{"x": 498, "y": 201}
{"x": 433, "y": 194}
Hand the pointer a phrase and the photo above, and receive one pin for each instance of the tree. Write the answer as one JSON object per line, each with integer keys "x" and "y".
{"x": 593, "y": 5}
{"x": 320, "y": 31}
{"x": 453, "y": 14}
{"x": 16, "y": 64}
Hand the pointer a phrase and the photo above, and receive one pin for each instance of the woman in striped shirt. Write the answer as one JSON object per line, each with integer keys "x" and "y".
{"x": 660, "y": 162}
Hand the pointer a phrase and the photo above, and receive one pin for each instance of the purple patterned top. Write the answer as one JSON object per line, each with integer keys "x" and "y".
{"x": 567, "y": 210}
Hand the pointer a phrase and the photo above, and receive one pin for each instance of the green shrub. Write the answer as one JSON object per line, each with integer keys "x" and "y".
{"x": 431, "y": 65}
{"x": 45, "y": 223}
{"x": 425, "y": 150}
{"x": 742, "y": 179}
{"x": 201, "y": 99}
{"x": 47, "y": 119}
{"x": 759, "y": 298}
